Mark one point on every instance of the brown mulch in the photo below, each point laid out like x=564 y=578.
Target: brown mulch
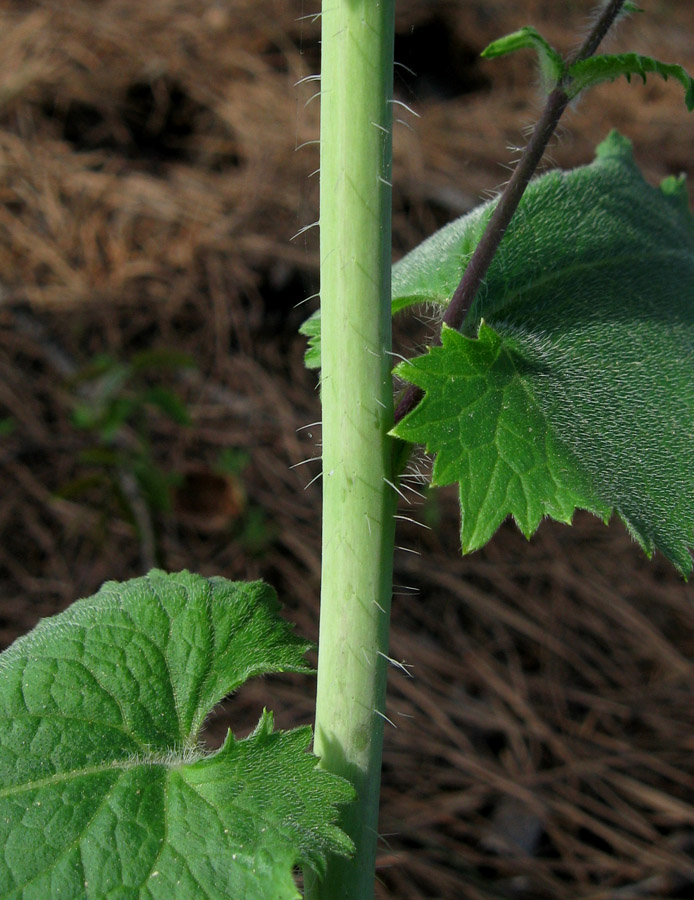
x=155 y=161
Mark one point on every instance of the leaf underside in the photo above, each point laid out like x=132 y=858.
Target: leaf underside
x=597 y=69
x=105 y=791
x=572 y=383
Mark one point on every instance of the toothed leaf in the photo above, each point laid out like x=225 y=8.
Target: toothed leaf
x=596 y=69
x=311 y=329
x=104 y=790
x=481 y=418
x=551 y=64
x=577 y=389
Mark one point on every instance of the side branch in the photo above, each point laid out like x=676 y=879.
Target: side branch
x=485 y=251
x=594 y=38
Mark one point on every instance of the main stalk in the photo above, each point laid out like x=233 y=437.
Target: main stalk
x=356 y=394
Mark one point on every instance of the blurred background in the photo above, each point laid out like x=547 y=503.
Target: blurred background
x=155 y=162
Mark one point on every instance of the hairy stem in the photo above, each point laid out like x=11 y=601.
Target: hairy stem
x=485 y=251
x=356 y=395
x=597 y=33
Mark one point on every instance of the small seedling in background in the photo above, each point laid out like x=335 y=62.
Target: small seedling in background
x=117 y=403
x=110 y=394
x=7 y=426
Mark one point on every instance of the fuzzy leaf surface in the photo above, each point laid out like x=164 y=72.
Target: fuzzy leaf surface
x=576 y=388
x=490 y=434
x=588 y=72
x=104 y=789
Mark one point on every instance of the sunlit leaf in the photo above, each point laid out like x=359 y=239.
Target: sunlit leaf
x=105 y=790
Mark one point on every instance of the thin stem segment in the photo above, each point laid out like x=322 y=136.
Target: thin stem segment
x=356 y=394
x=597 y=33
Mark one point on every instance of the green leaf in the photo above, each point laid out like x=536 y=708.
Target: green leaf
x=105 y=790
x=552 y=65
x=311 y=329
x=169 y=403
x=108 y=418
x=154 y=483
x=491 y=435
x=431 y=272
x=589 y=72
x=578 y=389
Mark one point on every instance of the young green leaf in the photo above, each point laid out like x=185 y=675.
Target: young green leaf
x=552 y=66
x=311 y=329
x=168 y=402
x=578 y=388
x=588 y=72
x=104 y=788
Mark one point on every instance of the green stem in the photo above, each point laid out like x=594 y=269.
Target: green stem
x=356 y=394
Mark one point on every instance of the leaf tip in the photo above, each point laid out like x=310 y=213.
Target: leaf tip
x=615 y=145
x=266 y=724
x=674 y=188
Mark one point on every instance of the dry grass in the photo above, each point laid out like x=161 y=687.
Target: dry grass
x=149 y=188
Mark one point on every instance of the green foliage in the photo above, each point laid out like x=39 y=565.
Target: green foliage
x=577 y=389
x=110 y=394
x=574 y=79
x=570 y=387
x=114 y=401
x=491 y=435
x=551 y=64
x=105 y=790
x=311 y=329
x=7 y=426
x=588 y=72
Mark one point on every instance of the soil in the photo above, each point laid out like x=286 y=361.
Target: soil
x=155 y=162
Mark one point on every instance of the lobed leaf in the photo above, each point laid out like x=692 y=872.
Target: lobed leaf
x=104 y=788
x=588 y=72
x=576 y=388
x=490 y=434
